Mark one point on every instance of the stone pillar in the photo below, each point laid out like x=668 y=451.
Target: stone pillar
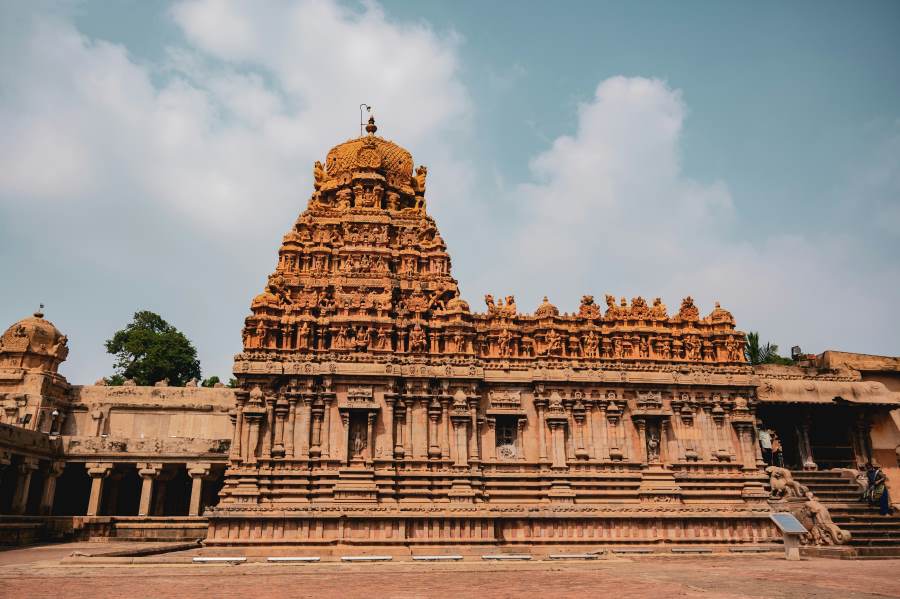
x=400 y=427
x=491 y=438
x=540 y=404
x=48 y=493
x=521 y=423
x=281 y=411
x=98 y=471
x=602 y=452
x=578 y=415
x=23 y=484
x=434 y=414
x=408 y=437
x=641 y=425
x=326 y=431
x=289 y=433
x=461 y=457
x=445 y=426
x=198 y=473
x=315 y=449
x=237 y=421
x=558 y=443
x=370 y=438
x=148 y=473
x=268 y=430
x=388 y=442
x=474 y=453
x=253 y=415
x=804 y=445
x=305 y=428
x=589 y=423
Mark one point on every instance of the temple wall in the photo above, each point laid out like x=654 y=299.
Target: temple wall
x=885 y=437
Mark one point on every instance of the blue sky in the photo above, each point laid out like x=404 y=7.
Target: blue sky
x=747 y=153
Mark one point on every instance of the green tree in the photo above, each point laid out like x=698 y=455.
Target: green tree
x=210 y=382
x=149 y=349
x=758 y=353
x=116 y=380
x=233 y=383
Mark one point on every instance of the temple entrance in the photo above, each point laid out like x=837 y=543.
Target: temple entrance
x=73 y=489
x=830 y=440
x=827 y=429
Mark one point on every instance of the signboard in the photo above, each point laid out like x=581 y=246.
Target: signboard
x=788 y=524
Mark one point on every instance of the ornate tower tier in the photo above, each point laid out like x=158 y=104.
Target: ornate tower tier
x=369 y=391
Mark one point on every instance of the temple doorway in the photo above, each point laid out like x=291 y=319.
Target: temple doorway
x=827 y=430
x=73 y=490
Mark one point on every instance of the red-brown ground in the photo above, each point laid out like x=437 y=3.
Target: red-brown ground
x=36 y=573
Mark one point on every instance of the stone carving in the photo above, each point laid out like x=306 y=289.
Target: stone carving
x=688 y=310
x=821 y=527
x=588 y=309
x=418 y=182
x=319 y=175
x=783 y=485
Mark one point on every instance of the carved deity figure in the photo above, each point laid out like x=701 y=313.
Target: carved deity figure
x=591 y=343
x=618 y=349
x=554 y=343
x=344 y=198
x=319 y=175
x=417 y=339
x=358 y=440
x=418 y=181
x=659 y=310
x=644 y=348
x=782 y=483
x=303 y=335
x=588 y=309
x=511 y=309
x=612 y=311
x=362 y=339
x=504 y=343
x=734 y=348
x=691 y=349
x=489 y=302
x=652 y=445
x=382 y=342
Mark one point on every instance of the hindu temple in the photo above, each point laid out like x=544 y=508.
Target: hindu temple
x=377 y=408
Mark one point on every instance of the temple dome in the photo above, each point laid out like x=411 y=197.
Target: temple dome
x=34 y=335
x=370 y=152
x=546 y=309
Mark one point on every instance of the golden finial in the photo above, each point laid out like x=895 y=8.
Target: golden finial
x=371 y=120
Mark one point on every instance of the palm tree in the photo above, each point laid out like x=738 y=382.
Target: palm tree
x=761 y=354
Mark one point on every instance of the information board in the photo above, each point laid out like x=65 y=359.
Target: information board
x=787 y=523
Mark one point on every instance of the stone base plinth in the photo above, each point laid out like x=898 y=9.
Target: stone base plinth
x=523 y=524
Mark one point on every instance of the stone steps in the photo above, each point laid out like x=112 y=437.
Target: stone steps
x=872 y=535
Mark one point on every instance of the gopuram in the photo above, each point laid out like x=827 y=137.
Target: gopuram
x=376 y=407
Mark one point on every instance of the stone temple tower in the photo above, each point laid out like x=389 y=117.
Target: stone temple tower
x=374 y=406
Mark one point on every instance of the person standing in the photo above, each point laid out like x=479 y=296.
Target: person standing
x=765 y=443
x=777 y=451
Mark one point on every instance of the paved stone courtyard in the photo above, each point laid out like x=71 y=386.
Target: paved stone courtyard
x=36 y=572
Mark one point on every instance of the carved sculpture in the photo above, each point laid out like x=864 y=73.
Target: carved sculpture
x=823 y=530
x=783 y=485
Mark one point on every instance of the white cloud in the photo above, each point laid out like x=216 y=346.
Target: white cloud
x=610 y=210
